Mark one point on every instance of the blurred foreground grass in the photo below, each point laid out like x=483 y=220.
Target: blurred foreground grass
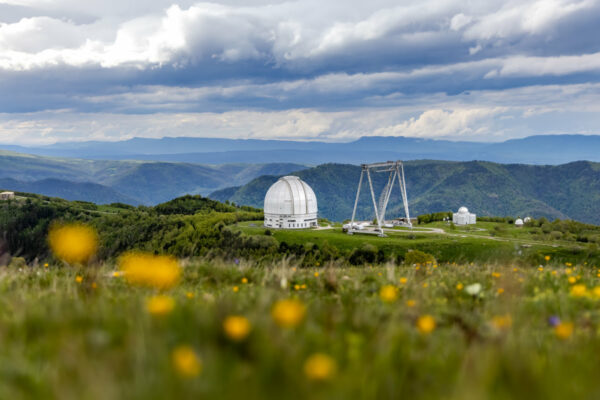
x=430 y=331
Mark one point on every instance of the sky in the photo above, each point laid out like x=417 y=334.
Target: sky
x=73 y=70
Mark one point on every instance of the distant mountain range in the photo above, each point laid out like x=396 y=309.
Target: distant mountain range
x=563 y=191
x=544 y=149
x=132 y=182
x=84 y=191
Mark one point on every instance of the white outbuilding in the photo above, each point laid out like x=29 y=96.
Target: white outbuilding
x=290 y=204
x=463 y=217
x=519 y=223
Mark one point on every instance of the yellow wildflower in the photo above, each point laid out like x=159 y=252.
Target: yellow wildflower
x=186 y=362
x=563 y=330
x=425 y=284
x=568 y=271
x=572 y=279
x=244 y=280
x=160 y=305
x=145 y=269
x=288 y=313
x=388 y=293
x=190 y=295
x=236 y=289
x=236 y=327
x=403 y=280
x=596 y=292
x=46 y=265
x=73 y=243
x=540 y=268
x=459 y=286
x=116 y=274
x=502 y=322
x=79 y=279
x=411 y=303
x=425 y=324
x=496 y=274
x=547 y=258
x=303 y=286
x=500 y=291
x=296 y=287
x=316 y=274
x=568 y=264
x=554 y=273
x=320 y=367
x=578 y=290
x=94 y=285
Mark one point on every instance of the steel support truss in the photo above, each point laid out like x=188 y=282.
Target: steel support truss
x=396 y=172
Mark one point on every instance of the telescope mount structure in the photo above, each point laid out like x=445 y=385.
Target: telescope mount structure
x=395 y=169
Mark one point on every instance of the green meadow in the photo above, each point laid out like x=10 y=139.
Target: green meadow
x=500 y=332
x=212 y=305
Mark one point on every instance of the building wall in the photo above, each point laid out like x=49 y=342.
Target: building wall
x=298 y=221
x=464 y=219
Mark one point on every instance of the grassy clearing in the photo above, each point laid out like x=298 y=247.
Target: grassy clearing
x=95 y=339
x=460 y=245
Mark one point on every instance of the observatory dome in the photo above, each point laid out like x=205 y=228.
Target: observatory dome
x=519 y=222
x=463 y=217
x=290 y=204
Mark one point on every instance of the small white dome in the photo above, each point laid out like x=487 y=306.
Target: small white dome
x=463 y=210
x=290 y=195
x=527 y=219
x=519 y=222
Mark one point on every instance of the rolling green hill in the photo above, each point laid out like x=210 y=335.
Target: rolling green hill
x=138 y=182
x=83 y=191
x=563 y=191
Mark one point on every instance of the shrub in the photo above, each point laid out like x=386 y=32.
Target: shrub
x=418 y=257
x=366 y=254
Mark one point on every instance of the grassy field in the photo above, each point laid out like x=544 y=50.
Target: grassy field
x=479 y=243
x=423 y=331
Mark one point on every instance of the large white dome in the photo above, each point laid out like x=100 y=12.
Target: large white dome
x=290 y=195
x=290 y=203
x=463 y=210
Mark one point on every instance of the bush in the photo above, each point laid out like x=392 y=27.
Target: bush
x=365 y=255
x=418 y=257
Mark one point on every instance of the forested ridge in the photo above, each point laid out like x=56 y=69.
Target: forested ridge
x=568 y=191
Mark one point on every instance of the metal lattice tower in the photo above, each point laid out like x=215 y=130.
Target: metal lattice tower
x=396 y=171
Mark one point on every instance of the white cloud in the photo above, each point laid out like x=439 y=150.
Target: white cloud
x=484 y=115
x=152 y=33
x=523 y=17
x=443 y=123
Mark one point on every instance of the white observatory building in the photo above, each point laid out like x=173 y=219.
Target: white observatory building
x=290 y=204
x=463 y=217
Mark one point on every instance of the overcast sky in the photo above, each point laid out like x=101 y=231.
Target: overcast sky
x=327 y=70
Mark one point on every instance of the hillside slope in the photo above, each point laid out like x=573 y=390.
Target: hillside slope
x=84 y=191
x=141 y=182
x=564 y=191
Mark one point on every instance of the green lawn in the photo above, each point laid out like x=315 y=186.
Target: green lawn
x=457 y=246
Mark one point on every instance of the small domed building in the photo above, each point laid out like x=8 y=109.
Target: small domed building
x=519 y=223
x=290 y=204
x=463 y=217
